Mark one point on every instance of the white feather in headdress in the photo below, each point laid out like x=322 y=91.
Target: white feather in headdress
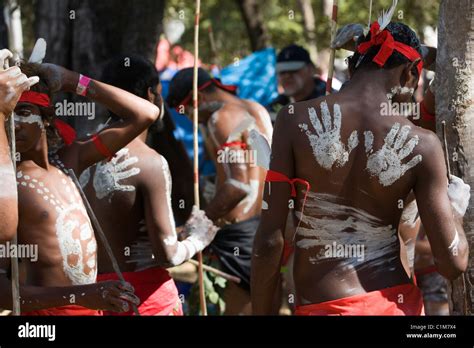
x=39 y=52
x=386 y=16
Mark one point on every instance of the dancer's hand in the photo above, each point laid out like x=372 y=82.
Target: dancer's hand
x=112 y=295
x=12 y=84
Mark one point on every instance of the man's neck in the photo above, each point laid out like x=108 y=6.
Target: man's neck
x=38 y=155
x=304 y=94
x=142 y=137
x=374 y=84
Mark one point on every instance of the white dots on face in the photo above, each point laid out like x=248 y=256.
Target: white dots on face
x=46 y=190
x=27 y=177
x=31 y=185
x=23 y=183
x=34 y=180
x=45 y=198
x=19 y=175
x=40 y=191
x=40 y=184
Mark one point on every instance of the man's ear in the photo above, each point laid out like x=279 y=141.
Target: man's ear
x=150 y=95
x=410 y=74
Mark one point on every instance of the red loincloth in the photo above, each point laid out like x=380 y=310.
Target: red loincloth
x=154 y=287
x=71 y=310
x=403 y=299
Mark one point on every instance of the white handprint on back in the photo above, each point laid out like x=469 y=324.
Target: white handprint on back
x=326 y=143
x=108 y=175
x=386 y=163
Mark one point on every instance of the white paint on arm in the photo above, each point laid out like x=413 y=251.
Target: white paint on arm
x=7 y=181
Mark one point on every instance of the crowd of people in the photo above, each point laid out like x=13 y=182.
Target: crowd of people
x=322 y=205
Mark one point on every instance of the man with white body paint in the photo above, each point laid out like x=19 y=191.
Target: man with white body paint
x=131 y=196
x=239 y=184
x=12 y=84
x=51 y=213
x=359 y=165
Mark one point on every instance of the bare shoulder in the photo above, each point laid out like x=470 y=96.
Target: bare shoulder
x=429 y=145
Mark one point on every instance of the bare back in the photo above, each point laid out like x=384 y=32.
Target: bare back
x=360 y=166
x=223 y=126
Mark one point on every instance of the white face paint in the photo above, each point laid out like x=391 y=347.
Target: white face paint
x=386 y=163
x=73 y=228
x=7 y=181
x=31 y=119
x=331 y=222
x=326 y=142
x=108 y=175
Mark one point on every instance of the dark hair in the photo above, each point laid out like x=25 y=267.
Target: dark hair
x=132 y=73
x=401 y=33
x=47 y=113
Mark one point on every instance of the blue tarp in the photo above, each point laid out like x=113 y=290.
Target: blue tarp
x=255 y=77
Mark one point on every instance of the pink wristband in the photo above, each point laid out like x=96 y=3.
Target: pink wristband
x=82 y=85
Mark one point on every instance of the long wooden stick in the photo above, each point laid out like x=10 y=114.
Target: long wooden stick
x=216 y=271
x=202 y=295
x=332 y=57
x=16 y=310
x=16 y=47
x=100 y=232
x=446 y=152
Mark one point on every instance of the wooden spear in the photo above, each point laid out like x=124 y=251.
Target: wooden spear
x=16 y=47
x=202 y=295
x=100 y=232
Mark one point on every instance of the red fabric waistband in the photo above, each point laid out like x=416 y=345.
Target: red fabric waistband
x=150 y=275
x=403 y=299
x=71 y=310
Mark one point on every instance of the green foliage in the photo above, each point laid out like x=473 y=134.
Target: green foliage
x=214 y=288
x=283 y=21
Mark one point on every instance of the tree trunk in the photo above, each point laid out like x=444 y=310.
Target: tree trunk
x=326 y=7
x=454 y=104
x=83 y=34
x=309 y=25
x=254 y=22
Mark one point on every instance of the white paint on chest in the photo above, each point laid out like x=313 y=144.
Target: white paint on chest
x=386 y=163
x=326 y=141
x=108 y=175
x=73 y=229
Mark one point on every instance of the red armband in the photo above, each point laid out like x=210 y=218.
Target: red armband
x=273 y=176
x=100 y=146
x=240 y=144
x=425 y=115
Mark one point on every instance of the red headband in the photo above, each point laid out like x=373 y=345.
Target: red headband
x=228 y=88
x=388 y=44
x=67 y=133
x=39 y=99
